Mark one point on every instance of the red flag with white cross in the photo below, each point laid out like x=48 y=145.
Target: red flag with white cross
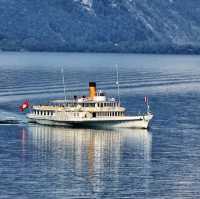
x=24 y=106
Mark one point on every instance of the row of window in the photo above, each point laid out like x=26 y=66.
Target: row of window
x=44 y=113
x=102 y=104
x=109 y=114
x=99 y=104
x=76 y=114
x=108 y=104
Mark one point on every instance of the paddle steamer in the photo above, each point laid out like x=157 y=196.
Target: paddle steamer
x=94 y=110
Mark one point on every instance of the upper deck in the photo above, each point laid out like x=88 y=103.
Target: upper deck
x=95 y=102
x=60 y=105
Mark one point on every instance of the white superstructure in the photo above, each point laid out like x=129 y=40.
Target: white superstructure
x=96 y=110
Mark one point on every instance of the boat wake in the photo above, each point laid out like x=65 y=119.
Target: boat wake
x=9 y=118
x=9 y=121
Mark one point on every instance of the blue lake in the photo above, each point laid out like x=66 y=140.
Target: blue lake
x=50 y=162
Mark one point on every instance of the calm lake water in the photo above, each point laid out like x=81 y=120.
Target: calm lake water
x=50 y=162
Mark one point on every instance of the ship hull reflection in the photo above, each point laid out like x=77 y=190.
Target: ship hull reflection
x=93 y=154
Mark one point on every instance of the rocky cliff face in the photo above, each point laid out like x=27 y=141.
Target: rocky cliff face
x=158 y=26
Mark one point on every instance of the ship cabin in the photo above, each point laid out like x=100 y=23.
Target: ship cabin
x=96 y=105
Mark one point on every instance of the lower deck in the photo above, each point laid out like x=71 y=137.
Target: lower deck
x=119 y=122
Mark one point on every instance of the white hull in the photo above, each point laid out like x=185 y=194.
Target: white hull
x=140 y=122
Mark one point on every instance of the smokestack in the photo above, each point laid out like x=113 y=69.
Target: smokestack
x=92 y=90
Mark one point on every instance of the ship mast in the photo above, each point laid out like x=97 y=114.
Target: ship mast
x=63 y=81
x=117 y=83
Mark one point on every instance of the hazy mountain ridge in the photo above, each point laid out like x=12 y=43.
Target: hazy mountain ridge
x=158 y=26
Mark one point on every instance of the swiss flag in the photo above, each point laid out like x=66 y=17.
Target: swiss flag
x=24 y=106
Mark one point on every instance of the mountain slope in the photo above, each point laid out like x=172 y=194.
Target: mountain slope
x=159 y=26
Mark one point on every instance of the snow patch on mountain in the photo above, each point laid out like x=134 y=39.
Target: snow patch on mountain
x=86 y=3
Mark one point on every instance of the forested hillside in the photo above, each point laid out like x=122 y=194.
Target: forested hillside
x=143 y=26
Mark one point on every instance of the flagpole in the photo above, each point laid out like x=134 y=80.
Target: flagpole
x=63 y=81
x=147 y=103
x=118 y=88
x=146 y=100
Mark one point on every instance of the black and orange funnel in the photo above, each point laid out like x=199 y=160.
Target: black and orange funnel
x=92 y=90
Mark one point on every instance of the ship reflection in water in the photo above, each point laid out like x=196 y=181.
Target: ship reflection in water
x=94 y=161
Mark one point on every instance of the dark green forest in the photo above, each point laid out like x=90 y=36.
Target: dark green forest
x=139 y=26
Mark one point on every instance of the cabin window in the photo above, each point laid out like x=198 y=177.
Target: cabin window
x=94 y=115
